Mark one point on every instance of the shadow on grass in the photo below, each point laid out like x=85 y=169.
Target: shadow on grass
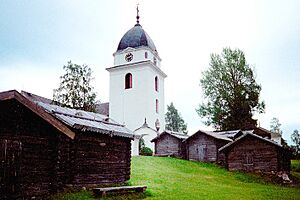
x=127 y=196
x=72 y=194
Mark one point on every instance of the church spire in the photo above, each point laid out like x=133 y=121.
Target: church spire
x=137 y=14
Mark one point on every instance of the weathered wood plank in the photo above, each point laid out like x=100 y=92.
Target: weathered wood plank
x=252 y=154
x=50 y=160
x=102 y=192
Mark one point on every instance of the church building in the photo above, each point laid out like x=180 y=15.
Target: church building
x=136 y=88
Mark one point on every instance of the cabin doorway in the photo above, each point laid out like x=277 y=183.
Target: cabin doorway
x=10 y=153
x=202 y=151
x=248 y=162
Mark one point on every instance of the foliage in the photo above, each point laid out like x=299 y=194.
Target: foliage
x=75 y=89
x=141 y=144
x=295 y=166
x=296 y=140
x=231 y=92
x=174 y=121
x=146 y=151
x=275 y=126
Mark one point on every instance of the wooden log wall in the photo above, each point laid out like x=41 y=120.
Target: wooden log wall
x=221 y=155
x=42 y=160
x=101 y=159
x=64 y=161
x=168 y=145
x=254 y=155
x=284 y=159
x=202 y=148
x=35 y=153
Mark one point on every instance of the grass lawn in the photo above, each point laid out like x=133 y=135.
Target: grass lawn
x=170 y=178
x=295 y=168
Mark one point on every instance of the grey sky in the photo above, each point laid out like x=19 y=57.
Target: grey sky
x=38 y=37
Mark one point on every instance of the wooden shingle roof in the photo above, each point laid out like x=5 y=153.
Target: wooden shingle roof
x=177 y=135
x=67 y=119
x=211 y=134
x=13 y=94
x=87 y=121
x=247 y=134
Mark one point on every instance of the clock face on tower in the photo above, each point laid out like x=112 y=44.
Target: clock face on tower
x=128 y=57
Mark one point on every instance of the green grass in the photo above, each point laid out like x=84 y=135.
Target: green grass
x=295 y=165
x=170 y=178
x=295 y=168
x=80 y=195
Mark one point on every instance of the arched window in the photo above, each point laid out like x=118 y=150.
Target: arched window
x=128 y=81
x=146 y=54
x=156 y=83
x=156 y=105
x=154 y=60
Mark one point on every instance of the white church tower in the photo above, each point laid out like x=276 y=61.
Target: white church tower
x=137 y=85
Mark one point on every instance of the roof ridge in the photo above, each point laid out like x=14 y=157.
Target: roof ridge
x=86 y=118
x=251 y=134
x=82 y=117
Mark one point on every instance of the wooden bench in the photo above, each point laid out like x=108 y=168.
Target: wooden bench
x=101 y=192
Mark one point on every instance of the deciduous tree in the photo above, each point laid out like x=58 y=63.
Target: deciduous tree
x=275 y=126
x=230 y=91
x=75 y=89
x=296 y=140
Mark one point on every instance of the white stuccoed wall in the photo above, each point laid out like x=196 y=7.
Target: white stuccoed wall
x=138 y=55
x=147 y=134
x=131 y=106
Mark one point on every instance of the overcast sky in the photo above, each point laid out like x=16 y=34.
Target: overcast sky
x=38 y=37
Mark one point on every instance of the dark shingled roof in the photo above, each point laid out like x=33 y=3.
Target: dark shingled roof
x=178 y=135
x=210 y=133
x=31 y=105
x=34 y=97
x=136 y=37
x=79 y=119
x=87 y=121
x=232 y=134
x=248 y=134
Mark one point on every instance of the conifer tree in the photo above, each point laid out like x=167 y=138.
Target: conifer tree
x=174 y=121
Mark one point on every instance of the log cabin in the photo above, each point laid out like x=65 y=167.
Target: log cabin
x=45 y=147
x=169 y=143
x=203 y=146
x=253 y=153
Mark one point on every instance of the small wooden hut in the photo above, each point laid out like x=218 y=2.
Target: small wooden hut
x=253 y=153
x=169 y=143
x=45 y=147
x=203 y=146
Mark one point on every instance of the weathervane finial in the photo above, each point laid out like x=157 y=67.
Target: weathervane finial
x=137 y=14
